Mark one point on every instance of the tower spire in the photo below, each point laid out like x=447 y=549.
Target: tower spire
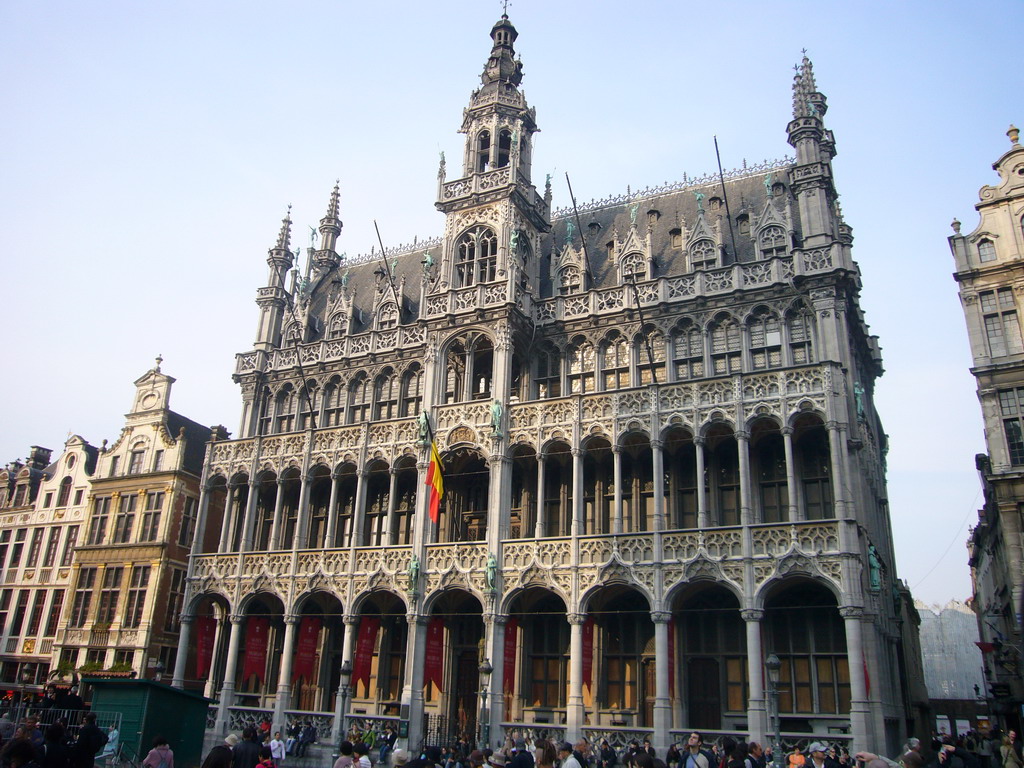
x=284 y=237
x=330 y=227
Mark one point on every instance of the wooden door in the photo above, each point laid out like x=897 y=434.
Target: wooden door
x=704 y=694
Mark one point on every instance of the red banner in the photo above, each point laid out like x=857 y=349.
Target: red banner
x=508 y=684
x=256 y=632
x=364 y=650
x=206 y=634
x=433 y=657
x=671 y=658
x=305 y=648
x=588 y=650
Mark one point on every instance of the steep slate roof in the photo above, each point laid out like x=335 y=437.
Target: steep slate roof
x=196 y=437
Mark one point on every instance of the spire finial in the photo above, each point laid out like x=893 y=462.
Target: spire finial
x=805 y=90
x=1013 y=134
x=285 y=235
x=159 y=359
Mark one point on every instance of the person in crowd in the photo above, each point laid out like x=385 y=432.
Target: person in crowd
x=818 y=758
x=277 y=749
x=246 y=752
x=6 y=727
x=387 y=743
x=497 y=760
x=113 y=743
x=738 y=756
x=757 y=756
x=345 y=759
x=361 y=754
x=266 y=759
x=160 y=756
x=796 y=758
x=220 y=756
x=20 y=754
x=522 y=758
x=55 y=748
x=90 y=742
x=567 y=758
x=476 y=759
x=606 y=757
x=695 y=755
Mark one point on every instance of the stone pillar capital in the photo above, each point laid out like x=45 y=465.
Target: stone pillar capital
x=661 y=617
x=787 y=430
x=351 y=619
x=416 y=619
x=497 y=619
x=657 y=444
x=236 y=618
x=576 y=619
x=742 y=435
x=187 y=618
x=752 y=614
x=699 y=440
x=291 y=619
x=851 y=611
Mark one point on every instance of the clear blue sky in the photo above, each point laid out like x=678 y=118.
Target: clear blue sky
x=150 y=150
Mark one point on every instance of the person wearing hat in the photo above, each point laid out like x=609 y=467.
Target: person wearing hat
x=818 y=757
x=565 y=755
x=220 y=755
x=498 y=760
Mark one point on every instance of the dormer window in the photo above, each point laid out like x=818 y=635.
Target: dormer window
x=633 y=268
x=743 y=224
x=986 y=250
x=676 y=236
x=504 y=147
x=483 y=151
x=703 y=254
x=476 y=257
x=570 y=280
x=715 y=203
x=772 y=242
x=336 y=326
x=387 y=317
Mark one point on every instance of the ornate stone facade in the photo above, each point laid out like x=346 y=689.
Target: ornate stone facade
x=660 y=454
x=990 y=275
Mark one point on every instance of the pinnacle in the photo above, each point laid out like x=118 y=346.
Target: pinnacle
x=333 y=205
x=285 y=235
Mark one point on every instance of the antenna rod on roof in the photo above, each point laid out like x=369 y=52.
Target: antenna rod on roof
x=725 y=196
x=583 y=238
x=387 y=270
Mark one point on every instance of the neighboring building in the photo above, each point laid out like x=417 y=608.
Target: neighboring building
x=127 y=580
x=41 y=518
x=953 y=664
x=661 y=463
x=990 y=274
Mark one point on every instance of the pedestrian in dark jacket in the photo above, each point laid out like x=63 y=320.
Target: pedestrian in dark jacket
x=90 y=741
x=55 y=750
x=246 y=752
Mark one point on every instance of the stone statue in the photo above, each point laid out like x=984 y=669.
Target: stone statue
x=424 y=427
x=344 y=279
x=496 y=411
x=874 y=569
x=414 y=574
x=513 y=241
x=700 y=200
x=768 y=180
x=632 y=213
x=858 y=397
x=547 y=179
x=492 y=572
x=570 y=228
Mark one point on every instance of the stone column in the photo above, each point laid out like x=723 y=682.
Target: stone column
x=574 y=712
x=541 y=522
x=796 y=512
x=250 y=513
x=284 y=676
x=181 y=659
x=209 y=690
x=302 y=522
x=577 y=491
x=359 y=508
x=858 y=689
x=338 y=729
x=702 y=501
x=412 y=693
x=204 y=512
x=662 y=699
x=757 y=714
x=227 y=690
x=743 y=449
x=275 y=530
x=617 y=474
x=658 y=462
x=838 y=500
x=392 y=536
x=332 y=514
x=231 y=517
x=494 y=629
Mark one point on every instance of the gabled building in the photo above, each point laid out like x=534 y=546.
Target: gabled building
x=127 y=579
x=654 y=419
x=990 y=277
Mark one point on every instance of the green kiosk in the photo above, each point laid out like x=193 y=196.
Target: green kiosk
x=150 y=709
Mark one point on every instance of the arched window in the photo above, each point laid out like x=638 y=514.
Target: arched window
x=387 y=316
x=504 y=147
x=570 y=280
x=986 y=250
x=703 y=255
x=814 y=469
x=476 y=257
x=580 y=377
x=294 y=335
x=412 y=391
x=265 y=405
x=385 y=405
x=337 y=326
x=769 y=464
x=359 y=395
x=309 y=399
x=65 y=492
x=284 y=410
x=483 y=368
x=743 y=224
x=676 y=237
x=798 y=323
x=725 y=347
x=334 y=403
x=765 y=340
x=632 y=266
x=771 y=241
x=615 y=362
x=688 y=351
x=455 y=373
x=650 y=356
x=483 y=151
x=549 y=372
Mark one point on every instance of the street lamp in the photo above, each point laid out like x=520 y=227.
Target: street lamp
x=346 y=691
x=485 y=718
x=773 y=666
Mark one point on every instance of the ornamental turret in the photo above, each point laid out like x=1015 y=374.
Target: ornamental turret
x=326 y=258
x=273 y=297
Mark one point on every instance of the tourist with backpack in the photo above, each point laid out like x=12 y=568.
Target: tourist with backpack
x=160 y=756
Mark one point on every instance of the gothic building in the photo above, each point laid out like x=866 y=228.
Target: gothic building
x=990 y=275
x=661 y=464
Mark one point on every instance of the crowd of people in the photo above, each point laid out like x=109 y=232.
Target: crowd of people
x=41 y=742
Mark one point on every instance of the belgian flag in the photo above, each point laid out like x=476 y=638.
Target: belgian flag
x=435 y=481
